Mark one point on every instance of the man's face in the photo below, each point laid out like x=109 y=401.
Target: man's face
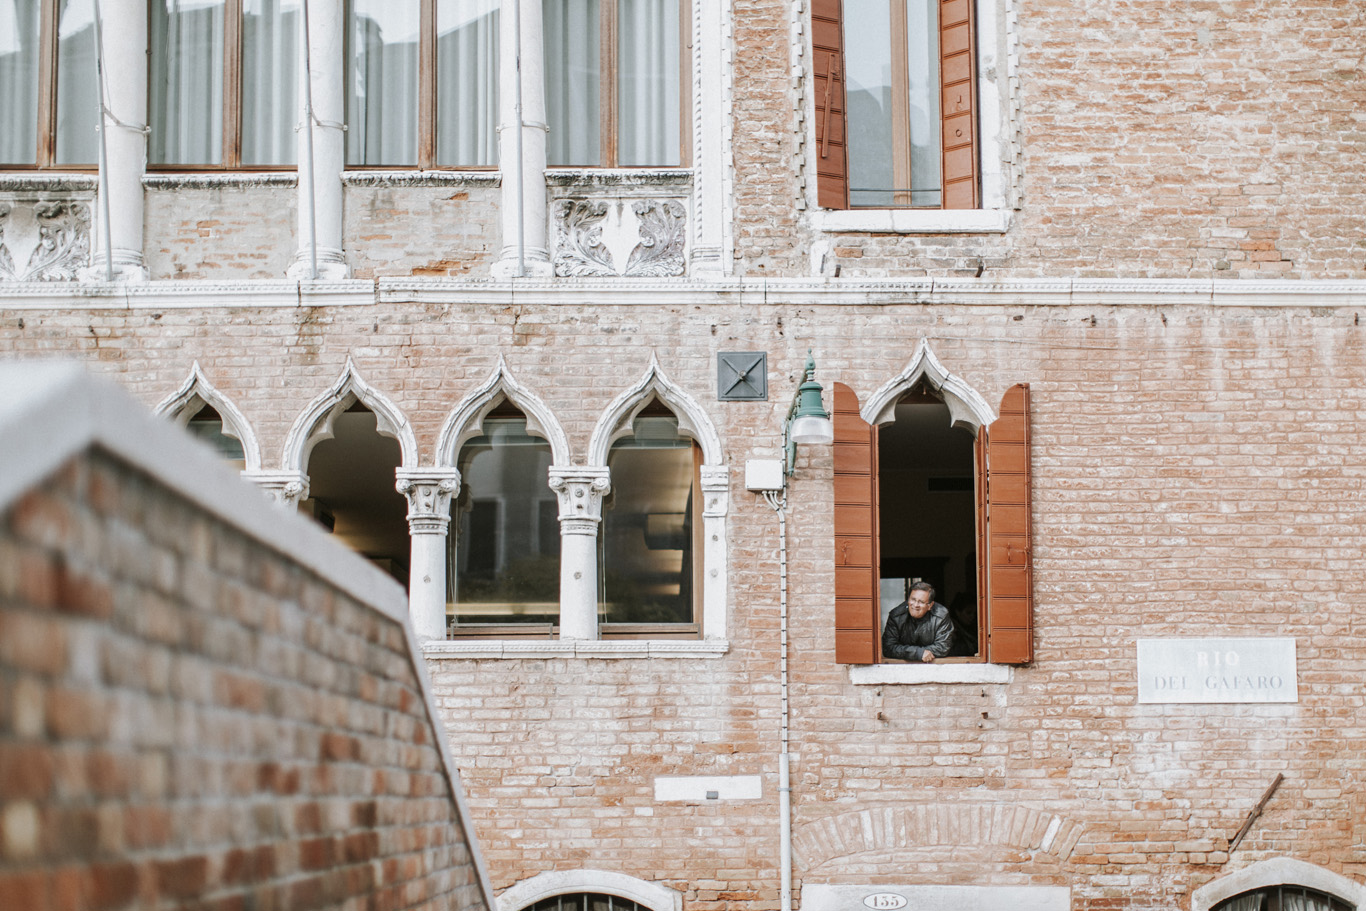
x=919 y=604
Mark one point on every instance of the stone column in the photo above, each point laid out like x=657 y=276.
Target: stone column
x=320 y=216
x=580 y=491
x=429 y=493
x=524 y=193
x=711 y=142
x=123 y=27
x=715 y=505
x=286 y=489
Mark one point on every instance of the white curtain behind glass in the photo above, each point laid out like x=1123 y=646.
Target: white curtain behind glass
x=78 y=99
x=572 y=82
x=270 y=60
x=185 y=87
x=467 y=82
x=648 y=83
x=381 y=82
x=922 y=43
x=19 y=29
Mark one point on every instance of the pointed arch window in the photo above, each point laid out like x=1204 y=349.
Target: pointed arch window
x=207 y=425
x=649 y=549
x=504 y=545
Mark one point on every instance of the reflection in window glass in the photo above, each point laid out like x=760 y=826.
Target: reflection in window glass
x=648 y=82
x=78 y=106
x=270 y=53
x=185 y=87
x=467 y=82
x=572 y=39
x=381 y=82
x=207 y=425
x=20 y=30
x=646 y=571
x=892 y=97
x=505 y=537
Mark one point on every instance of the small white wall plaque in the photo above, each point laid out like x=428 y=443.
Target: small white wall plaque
x=821 y=897
x=704 y=788
x=1217 y=670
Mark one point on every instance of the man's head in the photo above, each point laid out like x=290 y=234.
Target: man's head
x=919 y=599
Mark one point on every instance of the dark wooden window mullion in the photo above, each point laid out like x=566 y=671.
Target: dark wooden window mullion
x=232 y=83
x=426 y=87
x=607 y=87
x=47 y=85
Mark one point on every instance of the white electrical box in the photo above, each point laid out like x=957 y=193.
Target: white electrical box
x=763 y=474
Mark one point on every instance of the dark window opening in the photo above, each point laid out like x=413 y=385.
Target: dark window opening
x=207 y=425
x=585 y=901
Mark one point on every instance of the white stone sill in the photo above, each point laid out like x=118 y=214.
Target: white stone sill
x=576 y=648
x=913 y=674
x=912 y=221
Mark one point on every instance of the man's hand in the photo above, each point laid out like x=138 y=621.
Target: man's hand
x=927 y=656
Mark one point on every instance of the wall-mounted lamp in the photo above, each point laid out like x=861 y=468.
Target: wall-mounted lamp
x=807 y=420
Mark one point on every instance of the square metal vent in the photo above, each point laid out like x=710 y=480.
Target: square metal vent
x=742 y=376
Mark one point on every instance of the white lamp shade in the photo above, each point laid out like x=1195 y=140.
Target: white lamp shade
x=811 y=429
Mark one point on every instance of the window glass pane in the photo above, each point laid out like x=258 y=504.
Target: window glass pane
x=78 y=106
x=20 y=25
x=647 y=527
x=467 y=82
x=648 y=83
x=505 y=542
x=381 y=82
x=922 y=42
x=185 y=97
x=207 y=425
x=270 y=54
x=868 y=87
x=572 y=82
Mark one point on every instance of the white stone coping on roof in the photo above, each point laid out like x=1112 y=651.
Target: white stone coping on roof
x=51 y=411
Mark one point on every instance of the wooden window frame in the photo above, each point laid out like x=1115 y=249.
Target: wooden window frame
x=231 y=150
x=959 y=152
x=609 y=88
x=1004 y=552
x=45 y=152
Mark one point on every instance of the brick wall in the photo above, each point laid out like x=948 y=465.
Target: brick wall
x=191 y=719
x=224 y=233
x=446 y=229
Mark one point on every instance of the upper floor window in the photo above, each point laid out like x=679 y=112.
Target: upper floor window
x=923 y=497
x=1284 y=898
x=221 y=85
x=649 y=566
x=896 y=104
x=504 y=545
x=422 y=83
x=50 y=102
x=614 y=80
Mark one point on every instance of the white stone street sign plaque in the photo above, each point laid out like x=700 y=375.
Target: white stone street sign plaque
x=1217 y=670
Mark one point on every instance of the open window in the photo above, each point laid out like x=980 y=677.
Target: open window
x=649 y=552
x=895 y=84
x=922 y=495
x=504 y=544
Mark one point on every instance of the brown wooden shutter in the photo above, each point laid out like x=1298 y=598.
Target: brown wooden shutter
x=1010 y=566
x=958 y=80
x=857 y=613
x=827 y=70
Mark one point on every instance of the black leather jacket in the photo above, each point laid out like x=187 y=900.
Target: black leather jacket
x=909 y=639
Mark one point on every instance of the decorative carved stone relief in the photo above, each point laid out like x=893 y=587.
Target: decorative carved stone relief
x=580 y=491
x=621 y=236
x=43 y=240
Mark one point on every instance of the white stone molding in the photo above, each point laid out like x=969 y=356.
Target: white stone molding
x=605 y=649
x=196 y=392
x=967 y=408
x=286 y=489
x=124 y=33
x=465 y=422
x=936 y=673
x=546 y=885
x=1277 y=871
x=315 y=423
x=711 y=148
x=320 y=224
x=429 y=492
x=619 y=418
x=715 y=553
x=580 y=491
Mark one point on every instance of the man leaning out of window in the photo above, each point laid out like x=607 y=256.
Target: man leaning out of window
x=919 y=628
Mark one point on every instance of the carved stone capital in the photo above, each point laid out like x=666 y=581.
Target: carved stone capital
x=286 y=489
x=715 y=490
x=429 y=493
x=620 y=236
x=580 y=491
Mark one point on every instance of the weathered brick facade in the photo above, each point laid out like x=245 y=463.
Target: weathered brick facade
x=1174 y=261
